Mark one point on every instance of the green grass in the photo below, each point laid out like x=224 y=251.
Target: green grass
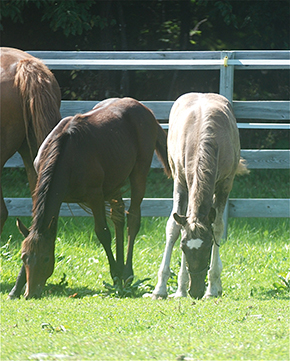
x=79 y=319
x=138 y=329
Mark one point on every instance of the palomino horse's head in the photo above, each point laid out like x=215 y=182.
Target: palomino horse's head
x=196 y=243
x=38 y=258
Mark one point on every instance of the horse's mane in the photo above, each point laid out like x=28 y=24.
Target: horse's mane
x=47 y=163
x=40 y=96
x=206 y=156
x=204 y=169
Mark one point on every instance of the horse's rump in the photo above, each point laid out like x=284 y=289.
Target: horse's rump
x=30 y=100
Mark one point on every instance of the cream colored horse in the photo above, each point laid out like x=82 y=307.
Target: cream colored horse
x=204 y=156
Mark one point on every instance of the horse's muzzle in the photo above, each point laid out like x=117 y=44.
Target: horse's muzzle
x=197 y=284
x=33 y=293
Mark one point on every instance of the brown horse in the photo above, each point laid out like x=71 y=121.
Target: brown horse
x=86 y=159
x=204 y=156
x=29 y=109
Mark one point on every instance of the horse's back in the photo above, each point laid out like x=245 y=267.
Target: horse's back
x=198 y=120
x=127 y=109
x=106 y=143
x=127 y=121
x=196 y=110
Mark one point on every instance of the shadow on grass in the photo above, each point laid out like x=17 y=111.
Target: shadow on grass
x=135 y=290
x=55 y=290
x=119 y=289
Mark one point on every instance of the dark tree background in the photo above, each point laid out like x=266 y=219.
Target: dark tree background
x=145 y=24
x=155 y=25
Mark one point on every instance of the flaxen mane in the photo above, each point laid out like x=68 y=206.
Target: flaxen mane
x=205 y=170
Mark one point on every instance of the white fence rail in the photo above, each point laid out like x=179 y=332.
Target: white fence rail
x=227 y=62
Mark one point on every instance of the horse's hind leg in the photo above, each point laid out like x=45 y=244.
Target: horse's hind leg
x=97 y=206
x=3 y=212
x=118 y=218
x=24 y=151
x=138 y=185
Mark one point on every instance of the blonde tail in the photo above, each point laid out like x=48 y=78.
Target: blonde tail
x=242 y=167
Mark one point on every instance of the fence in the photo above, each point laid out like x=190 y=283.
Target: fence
x=227 y=62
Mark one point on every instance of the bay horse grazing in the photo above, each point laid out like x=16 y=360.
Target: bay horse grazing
x=204 y=156
x=29 y=109
x=86 y=159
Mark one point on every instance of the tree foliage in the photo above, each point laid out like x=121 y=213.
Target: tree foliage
x=151 y=24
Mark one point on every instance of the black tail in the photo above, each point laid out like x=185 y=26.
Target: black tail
x=161 y=150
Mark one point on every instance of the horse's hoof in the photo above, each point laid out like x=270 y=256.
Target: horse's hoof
x=178 y=295
x=211 y=295
x=208 y=296
x=12 y=297
x=128 y=281
x=157 y=296
x=128 y=275
x=154 y=296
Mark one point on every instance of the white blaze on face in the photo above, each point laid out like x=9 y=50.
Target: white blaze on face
x=194 y=243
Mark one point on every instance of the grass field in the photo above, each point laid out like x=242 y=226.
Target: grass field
x=79 y=318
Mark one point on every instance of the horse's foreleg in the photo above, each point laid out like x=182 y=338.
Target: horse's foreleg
x=183 y=279
x=20 y=282
x=214 y=287
x=172 y=233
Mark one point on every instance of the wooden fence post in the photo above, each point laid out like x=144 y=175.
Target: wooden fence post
x=227 y=75
x=227 y=90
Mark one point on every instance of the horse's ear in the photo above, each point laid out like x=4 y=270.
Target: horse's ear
x=212 y=215
x=22 y=229
x=182 y=220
